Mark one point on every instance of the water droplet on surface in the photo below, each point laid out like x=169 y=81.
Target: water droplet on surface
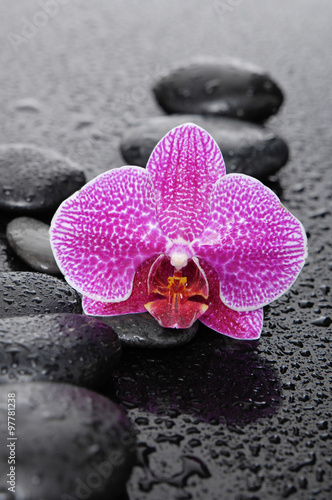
x=322 y=425
x=211 y=86
x=324 y=321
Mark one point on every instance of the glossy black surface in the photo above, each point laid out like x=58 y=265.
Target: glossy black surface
x=89 y=73
x=23 y=293
x=69 y=348
x=34 y=180
x=29 y=239
x=222 y=87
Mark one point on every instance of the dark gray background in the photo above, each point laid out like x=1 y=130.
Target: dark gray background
x=85 y=76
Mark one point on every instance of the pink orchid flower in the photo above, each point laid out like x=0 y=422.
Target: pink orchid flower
x=180 y=239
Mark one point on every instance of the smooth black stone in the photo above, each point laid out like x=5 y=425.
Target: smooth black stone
x=35 y=180
x=8 y=259
x=29 y=239
x=247 y=148
x=229 y=88
x=24 y=293
x=57 y=347
x=71 y=443
x=142 y=330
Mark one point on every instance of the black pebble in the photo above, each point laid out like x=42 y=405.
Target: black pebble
x=142 y=330
x=29 y=239
x=57 y=347
x=34 y=180
x=23 y=293
x=71 y=443
x=229 y=88
x=247 y=148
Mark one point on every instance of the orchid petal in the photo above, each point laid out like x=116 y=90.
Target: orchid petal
x=238 y=325
x=256 y=246
x=102 y=233
x=184 y=166
x=134 y=304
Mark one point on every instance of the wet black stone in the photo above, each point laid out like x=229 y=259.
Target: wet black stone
x=8 y=259
x=29 y=238
x=142 y=330
x=247 y=148
x=34 y=180
x=57 y=347
x=229 y=88
x=71 y=443
x=24 y=293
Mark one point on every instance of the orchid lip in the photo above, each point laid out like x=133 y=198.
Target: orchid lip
x=174 y=290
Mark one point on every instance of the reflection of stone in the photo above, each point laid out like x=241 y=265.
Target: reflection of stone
x=212 y=379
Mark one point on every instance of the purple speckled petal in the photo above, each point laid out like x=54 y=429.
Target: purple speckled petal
x=134 y=304
x=184 y=166
x=256 y=246
x=102 y=233
x=238 y=325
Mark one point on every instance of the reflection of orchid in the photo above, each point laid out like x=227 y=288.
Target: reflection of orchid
x=180 y=239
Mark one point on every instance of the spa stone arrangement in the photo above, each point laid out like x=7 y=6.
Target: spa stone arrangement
x=120 y=407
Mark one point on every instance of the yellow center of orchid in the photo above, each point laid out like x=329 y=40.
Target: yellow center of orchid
x=177 y=287
x=177 y=309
